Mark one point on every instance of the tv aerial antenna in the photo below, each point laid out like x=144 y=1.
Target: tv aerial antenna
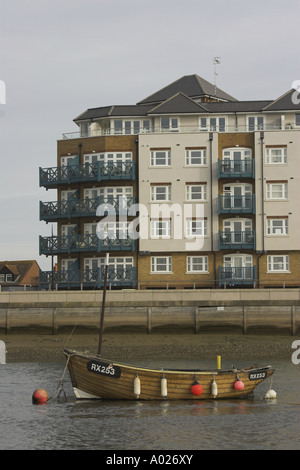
x=217 y=61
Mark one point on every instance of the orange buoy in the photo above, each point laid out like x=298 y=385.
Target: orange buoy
x=39 y=396
x=239 y=385
x=196 y=389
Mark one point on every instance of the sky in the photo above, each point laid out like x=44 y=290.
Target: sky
x=61 y=57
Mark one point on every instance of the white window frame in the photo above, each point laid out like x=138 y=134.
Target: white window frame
x=160 y=262
x=297 y=119
x=194 y=262
x=195 y=157
x=107 y=191
x=278 y=227
x=207 y=124
x=275 y=261
x=160 y=229
x=160 y=158
x=115 y=262
x=196 y=228
x=160 y=192
x=273 y=153
x=108 y=157
x=171 y=124
x=282 y=188
x=191 y=190
x=256 y=126
x=115 y=230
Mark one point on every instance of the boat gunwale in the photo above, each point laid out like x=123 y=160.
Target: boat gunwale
x=170 y=371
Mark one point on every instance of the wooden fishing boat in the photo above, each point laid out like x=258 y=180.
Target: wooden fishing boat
x=95 y=377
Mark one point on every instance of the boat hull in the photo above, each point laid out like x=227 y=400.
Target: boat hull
x=97 y=378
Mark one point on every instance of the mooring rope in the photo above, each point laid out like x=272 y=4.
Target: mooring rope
x=61 y=383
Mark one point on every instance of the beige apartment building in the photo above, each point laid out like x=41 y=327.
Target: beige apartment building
x=188 y=188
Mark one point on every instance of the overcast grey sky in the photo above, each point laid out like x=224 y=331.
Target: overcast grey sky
x=60 y=57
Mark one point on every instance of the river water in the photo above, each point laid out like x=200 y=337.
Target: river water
x=66 y=424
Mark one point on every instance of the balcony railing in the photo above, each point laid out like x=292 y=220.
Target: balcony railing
x=237 y=276
x=236 y=168
x=89 y=172
x=237 y=240
x=89 y=278
x=84 y=207
x=83 y=243
x=180 y=129
x=228 y=204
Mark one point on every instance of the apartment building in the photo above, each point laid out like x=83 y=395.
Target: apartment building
x=188 y=188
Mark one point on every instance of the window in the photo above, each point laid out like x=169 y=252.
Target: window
x=277 y=190
x=197 y=264
x=196 y=228
x=213 y=124
x=115 y=263
x=160 y=193
x=160 y=228
x=276 y=155
x=196 y=192
x=277 y=226
x=169 y=124
x=161 y=264
x=195 y=157
x=160 y=158
x=278 y=263
x=118 y=126
x=109 y=192
x=127 y=127
x=297 y=119
x=108 y=157
x=255 y=123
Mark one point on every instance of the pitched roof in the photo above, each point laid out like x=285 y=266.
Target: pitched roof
x=289 y=101
x=192 y=86
x=178 y=104
x=27 y=271
x=236 y=107
x=116 y=111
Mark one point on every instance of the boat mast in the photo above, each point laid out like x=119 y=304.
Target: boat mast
x=103 y=306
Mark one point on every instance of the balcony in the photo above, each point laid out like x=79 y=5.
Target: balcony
x=237 y=240
x=89 y=172
x=51 y=211
x=228 y=204
x=88 y=279
x=181 y=129
x=237 y=276
x=236 y=168
x=83 y=243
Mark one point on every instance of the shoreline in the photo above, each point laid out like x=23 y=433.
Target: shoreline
x=130 y=346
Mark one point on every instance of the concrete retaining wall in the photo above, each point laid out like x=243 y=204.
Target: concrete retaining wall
x=245 y=311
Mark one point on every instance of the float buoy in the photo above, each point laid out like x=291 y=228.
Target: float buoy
x=163 y=387
x=39 y=396
x=271 y=394
x=137 y=387
x=214 y=388
x=239 y=385
x=196 y=389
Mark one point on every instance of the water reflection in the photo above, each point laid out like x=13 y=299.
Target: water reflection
x=252 y=423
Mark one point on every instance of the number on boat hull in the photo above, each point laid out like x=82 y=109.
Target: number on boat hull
x=104 y=368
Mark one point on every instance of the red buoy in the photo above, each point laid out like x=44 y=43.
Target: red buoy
x=39 y=396
x=196 y=389
x=239 y=385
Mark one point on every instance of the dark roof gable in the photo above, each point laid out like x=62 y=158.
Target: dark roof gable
x=289 y=101
x=192 y=86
